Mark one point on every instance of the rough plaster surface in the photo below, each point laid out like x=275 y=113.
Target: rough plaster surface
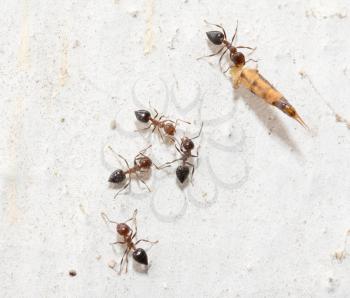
x=268 y=213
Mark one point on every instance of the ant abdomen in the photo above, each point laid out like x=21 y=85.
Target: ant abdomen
x=216 y=37
x=140 y=256
x=182 y=173
x=143 y=115
x=117 y=176
x=123 y=229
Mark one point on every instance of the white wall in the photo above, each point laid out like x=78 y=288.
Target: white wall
x=270 y=202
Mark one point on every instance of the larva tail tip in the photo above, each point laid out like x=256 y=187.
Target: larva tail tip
x=301 y=121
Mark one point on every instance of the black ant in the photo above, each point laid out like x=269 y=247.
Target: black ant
x=168 y=126
x=128 y=236
x=220 y=38
x=142 y=164
x=186 y=147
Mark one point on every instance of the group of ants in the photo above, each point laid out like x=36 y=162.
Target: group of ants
x=143 y=163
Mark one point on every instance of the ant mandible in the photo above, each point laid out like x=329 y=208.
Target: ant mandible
x=128 y=236
x=168 y=126
x=185 y=150
x=142 y=164
x=220 y=38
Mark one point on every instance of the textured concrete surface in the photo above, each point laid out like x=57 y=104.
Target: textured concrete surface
x=268 y=213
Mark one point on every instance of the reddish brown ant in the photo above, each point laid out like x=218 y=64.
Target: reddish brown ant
x=186 y=147
x=220 y=38
x=128 y=236
x=168 y=126
x=142 y=164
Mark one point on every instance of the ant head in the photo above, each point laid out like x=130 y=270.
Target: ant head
x=123 y=229
x=182 y=173
x=169 y=128
x=187 y=143
x=117 y=176
x=143 y=115
x=145 y=162
x=238 y=58
x=140 y=256
x=216 y=37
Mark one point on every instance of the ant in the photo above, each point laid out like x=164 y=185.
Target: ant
x=128 y=236
x=220 y=38
x=142 y=164
x=186 y=147
x=168 y=126
x=251 y=78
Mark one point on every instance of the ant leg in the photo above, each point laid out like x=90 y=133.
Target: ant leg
x=179 y=120
x=176 y=141
x=127 y=262
x=200 y=131
x=170 y=162
x=167 y=120
x=227 y=69
x=139 y=178
x=122 y=189
x=191 y=165
x=161 y=167
x=207 y=56
x=160 y=133
x=222 y=56
x=156 y=115
x=149 y=126
x=178 y=150
x=149 y=103
x=154 y=129
x=244 y=47
x=223 y=30
x=196 y=153
x=146 y=185
x=116 y=154
x=118 y=242
x=144 y=150
x=122 y=260
x=234 y=35
x=144 y=240
x=256 y=61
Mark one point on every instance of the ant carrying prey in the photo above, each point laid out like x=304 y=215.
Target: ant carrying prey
x=142 y=164
x=168 y=126
x=128 y=235
x=186 y=147
x=251 y=78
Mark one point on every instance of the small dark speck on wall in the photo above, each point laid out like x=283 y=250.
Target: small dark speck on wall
x=72 y=273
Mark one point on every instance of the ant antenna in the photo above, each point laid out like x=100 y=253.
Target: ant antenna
x=200 y=131
x=106 y=218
